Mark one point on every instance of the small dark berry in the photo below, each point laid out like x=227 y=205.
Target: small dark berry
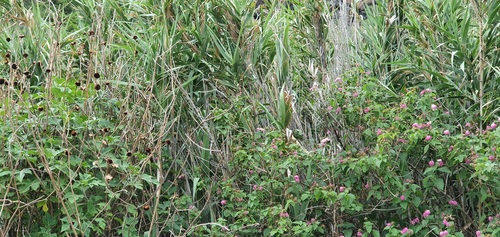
x=2 y=81
x=25 y=55
x=167 y=142
x=40 y=108
x=135 y=37
x=77 y=108
x=78 y=83
x=129 y=154
x=14 y=66
x=7 y=55
x=148 y=151
x=73 y=133
x=8 y=39
x=91 y=33
x=109 y=161
x=97 y=87
x=48 y=70
x=26 y=73
x=97 y=75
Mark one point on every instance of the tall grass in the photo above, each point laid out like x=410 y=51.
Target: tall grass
x=449 y=46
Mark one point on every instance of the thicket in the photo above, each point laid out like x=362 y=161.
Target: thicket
x=195 y=118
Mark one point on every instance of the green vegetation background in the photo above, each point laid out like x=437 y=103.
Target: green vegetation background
x=217 y=118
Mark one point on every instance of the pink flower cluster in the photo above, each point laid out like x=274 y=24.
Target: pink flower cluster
x=415 y=221
x=492 y=126
x=296 y=178
x=260 y=188
x=324 y=141
x=422 y=126
x=446 y=223
x=440 y=162
x=450 y=149
x=284 y=214
x=453 y=202
x=310 y=221
x=426 y=213
x=443 y=233
x=423 y=92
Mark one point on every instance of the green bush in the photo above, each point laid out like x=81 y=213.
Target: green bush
x=415 y=158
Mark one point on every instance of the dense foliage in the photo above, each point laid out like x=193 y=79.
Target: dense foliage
x=220 y=118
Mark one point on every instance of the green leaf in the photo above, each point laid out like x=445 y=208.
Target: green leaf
x=368 y=226
x=195 y=186
x=24 y=188
x=347 y=232
x=416 y=201
x=439 y=183
x=35 y=185
x=148 y=178
x=284 y=108
x=22 y=173
x=445 y=170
